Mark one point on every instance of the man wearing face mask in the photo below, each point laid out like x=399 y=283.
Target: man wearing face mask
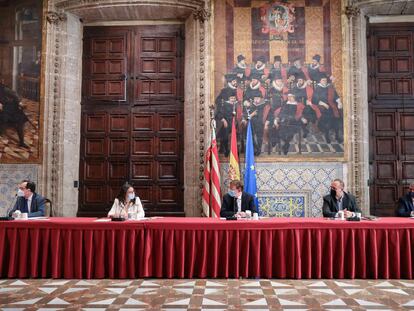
x=236 y=201
x=339 y=200
x=28 y=201
x=406 y=203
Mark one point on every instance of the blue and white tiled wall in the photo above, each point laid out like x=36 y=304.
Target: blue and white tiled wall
x=10 y=176
x=292 y=189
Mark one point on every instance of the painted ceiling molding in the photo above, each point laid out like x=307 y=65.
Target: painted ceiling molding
x=386 y=7
x=93 y=10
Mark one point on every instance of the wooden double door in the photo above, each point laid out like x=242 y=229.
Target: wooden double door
x=132 y=118
x=391 y=109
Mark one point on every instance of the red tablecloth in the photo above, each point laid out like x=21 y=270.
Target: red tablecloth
x=201 y=247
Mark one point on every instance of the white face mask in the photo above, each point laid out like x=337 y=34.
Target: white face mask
x=131 y=196
x=20 y=193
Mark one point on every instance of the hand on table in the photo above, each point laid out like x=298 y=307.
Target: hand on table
x=240 y=215
x=348 y=214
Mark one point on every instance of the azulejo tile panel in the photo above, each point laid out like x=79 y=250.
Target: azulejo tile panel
x=284 y=204
x=10 y=176
x=292 y=189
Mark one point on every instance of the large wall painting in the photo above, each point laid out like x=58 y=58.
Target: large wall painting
x=20 y=76
x=279 y=64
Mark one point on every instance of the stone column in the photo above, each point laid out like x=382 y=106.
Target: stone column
x=62 y=111
x=196 y=112
x=358 y=164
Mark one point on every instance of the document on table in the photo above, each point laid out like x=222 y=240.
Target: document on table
x=38 y=218
x=138 y=219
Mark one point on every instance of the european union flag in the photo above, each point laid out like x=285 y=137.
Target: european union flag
x=250 y=169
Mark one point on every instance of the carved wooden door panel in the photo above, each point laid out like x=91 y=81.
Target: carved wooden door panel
x=132 y=118
x=156 y=160
x=391 y=107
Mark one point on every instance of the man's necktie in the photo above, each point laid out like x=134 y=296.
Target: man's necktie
x=24 y=207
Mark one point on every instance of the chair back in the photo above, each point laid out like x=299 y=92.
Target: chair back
x=49 y=208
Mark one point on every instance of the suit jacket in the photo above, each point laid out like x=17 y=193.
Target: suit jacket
x=405 y=206
x=37 y=207
x=229 y=205
x=330 y=205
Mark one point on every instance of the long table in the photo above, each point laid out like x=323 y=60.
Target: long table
x=207 y=248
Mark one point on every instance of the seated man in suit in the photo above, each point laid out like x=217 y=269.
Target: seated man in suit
x=339 y=200
x=236 y=201
x=406 y=203
x=28 y=201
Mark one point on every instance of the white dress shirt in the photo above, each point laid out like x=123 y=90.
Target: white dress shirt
x=29 y=203
x=120 y=210
x=239 y=203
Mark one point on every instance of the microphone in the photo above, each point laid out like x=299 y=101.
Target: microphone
x=11 y=205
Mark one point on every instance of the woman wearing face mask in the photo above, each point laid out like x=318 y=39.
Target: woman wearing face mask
x=126 y=202
x=406 y=203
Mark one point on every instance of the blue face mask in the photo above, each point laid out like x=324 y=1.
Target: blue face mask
x=232 y=193
x=131 y=196
x=20 y=193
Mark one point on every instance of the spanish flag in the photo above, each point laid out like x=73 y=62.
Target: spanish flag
x=234 y=170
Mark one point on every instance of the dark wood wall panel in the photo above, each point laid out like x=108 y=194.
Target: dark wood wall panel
x=132 y=107
x=391 y=108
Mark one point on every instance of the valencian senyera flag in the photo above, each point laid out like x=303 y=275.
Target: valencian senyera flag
x=211 y=186
x=250 y=169
x=234 y=170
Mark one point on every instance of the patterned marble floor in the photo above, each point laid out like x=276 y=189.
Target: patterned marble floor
x=231 y=294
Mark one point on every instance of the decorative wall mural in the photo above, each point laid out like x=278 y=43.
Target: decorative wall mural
x=277 y=18
x=20 y=67
x=282 y=68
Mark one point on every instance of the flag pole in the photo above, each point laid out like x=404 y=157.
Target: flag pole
x=212 y=121
x=250 y=182
x=206 y=191
x=234 y=165
x=215 y=198
x=212 y=134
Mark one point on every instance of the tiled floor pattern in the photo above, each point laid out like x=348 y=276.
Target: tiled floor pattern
x=203 y=294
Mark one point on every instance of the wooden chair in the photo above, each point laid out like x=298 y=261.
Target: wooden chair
x=49 y=208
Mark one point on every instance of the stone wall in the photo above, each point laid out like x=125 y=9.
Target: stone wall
x=63 y=85
x=62 y=115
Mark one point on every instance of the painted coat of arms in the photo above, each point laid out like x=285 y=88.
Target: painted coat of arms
x=277 y=18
